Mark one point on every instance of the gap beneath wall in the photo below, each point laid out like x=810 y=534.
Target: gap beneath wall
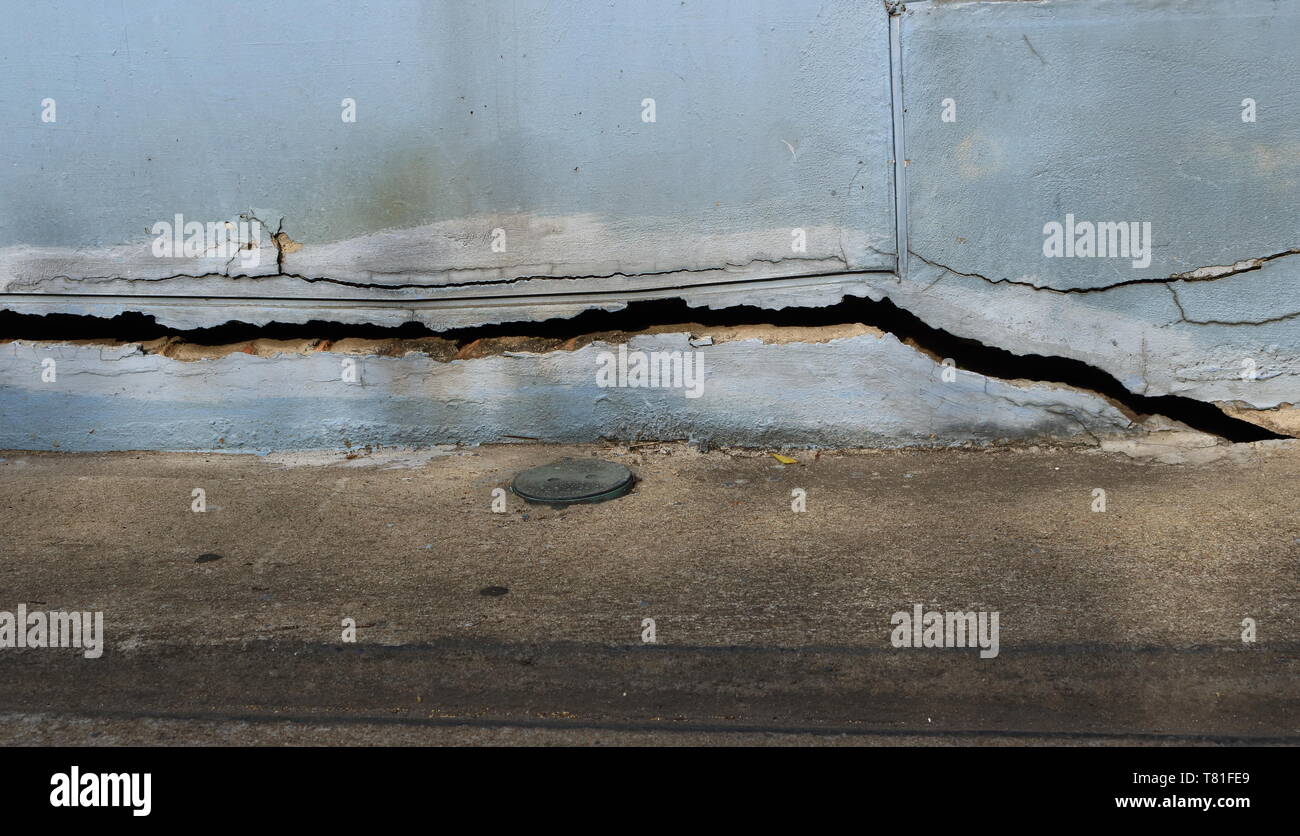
x=665 y=315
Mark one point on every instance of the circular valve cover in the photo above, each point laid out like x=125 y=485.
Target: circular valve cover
x=570 y=481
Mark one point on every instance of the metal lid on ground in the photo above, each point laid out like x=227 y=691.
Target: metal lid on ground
x=572 y=481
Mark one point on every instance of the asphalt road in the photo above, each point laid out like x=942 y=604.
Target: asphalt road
x=771 y=626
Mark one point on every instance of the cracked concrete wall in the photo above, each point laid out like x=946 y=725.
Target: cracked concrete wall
x=470 y=117
x=863 y=389
x=769 y=116
x=1111 y=111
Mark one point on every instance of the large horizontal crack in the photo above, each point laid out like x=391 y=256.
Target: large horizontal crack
x=657 y=316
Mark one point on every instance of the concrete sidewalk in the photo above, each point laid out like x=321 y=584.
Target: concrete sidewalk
x=1122 y=626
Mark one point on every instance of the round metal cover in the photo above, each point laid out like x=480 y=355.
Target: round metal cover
x=571 y=481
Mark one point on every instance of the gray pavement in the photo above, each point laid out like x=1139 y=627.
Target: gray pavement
x=771 y=626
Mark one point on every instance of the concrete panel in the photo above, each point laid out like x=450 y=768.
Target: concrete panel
x=1020 y=115
x=860 y=390
x=527 y=117
x=1110 y=111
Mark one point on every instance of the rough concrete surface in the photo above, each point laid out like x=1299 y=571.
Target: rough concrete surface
x=1092 y=110
x=864 y=388
x=503 y=169
x=530 y=118
x=1122 y=626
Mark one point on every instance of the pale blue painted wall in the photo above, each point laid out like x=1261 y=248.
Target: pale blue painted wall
x=771 y=115
x=463 y=109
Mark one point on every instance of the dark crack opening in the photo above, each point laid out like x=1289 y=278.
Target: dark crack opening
x=969 y=355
